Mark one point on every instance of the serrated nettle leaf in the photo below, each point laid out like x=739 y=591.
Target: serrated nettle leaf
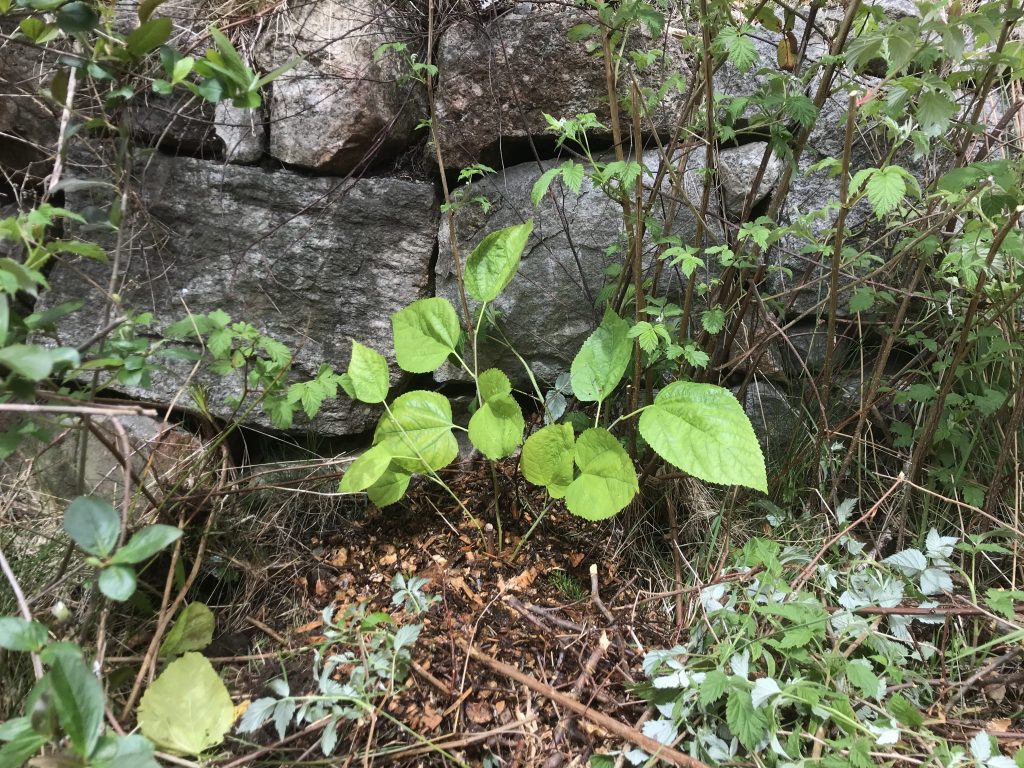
x=860 y=674
x=368 y=374
x=366 y=470
x=117 y=582
x=93 y=525
x=745 y=722
x=702 y=430
x=547 y=458
x=192 y=631
x=602 y=360
x=540 y=187
x=493 y=263
x=418 y=431
x=146 y=543
x=496 y=429
x=607 y=481
x=187 y=709
x=661 y=730
x=886 y=188
x=426 y=332
x=939 y=547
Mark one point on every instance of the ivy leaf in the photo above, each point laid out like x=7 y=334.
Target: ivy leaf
x=419 y=425
x=426 y=332
x=886 y=188
x=607 y=480
x=702 y=430
x=599 y=365
x=187 y=709
x=493 y=263
x=547 y=458
x=746 y=723
x=368 y=373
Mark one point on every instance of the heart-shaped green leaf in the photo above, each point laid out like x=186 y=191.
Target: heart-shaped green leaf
x=368 y=374
x=187 y=709
x=702 y=430
x=496 y=429
x=365 y=470
x=607 y=481
x=426 y=332
x=548 y=458
x=418 y=432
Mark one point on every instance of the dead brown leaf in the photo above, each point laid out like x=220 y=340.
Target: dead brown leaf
x=479 y=712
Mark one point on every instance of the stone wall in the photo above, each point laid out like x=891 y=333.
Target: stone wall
x=317 y=215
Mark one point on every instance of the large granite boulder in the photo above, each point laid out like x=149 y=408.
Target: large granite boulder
x=341 y=107
x=313 y=262
x=498 y=77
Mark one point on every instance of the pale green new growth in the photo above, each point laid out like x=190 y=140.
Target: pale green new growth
x=187 y=709
x=599 y=365
x=702 y=430
x=368 y=374
x=426 y=332
x=493 y=263
x=607 y=481
x=548 y=458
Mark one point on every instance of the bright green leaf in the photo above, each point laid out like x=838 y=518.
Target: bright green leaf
x=746 y=723
x=131 y=751
x=30 y=361
x=368 y=374
x=493 y=263
x=493 y=383
x=702 y=430
x=886 y=188
x=192 y=631
x=78 y=699
x=547 y=458
x=418 y=430
x=607 y=480
x=187 y=709
x=18 y=634
x=426 y=332
x=148 y=37
x=602 y=360
x=389 y=488
x=496 y=429
x=365 y=470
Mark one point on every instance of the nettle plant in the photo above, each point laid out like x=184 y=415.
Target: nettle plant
x=699 y=428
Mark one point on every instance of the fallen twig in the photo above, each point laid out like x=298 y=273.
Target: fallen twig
x=600 y=719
